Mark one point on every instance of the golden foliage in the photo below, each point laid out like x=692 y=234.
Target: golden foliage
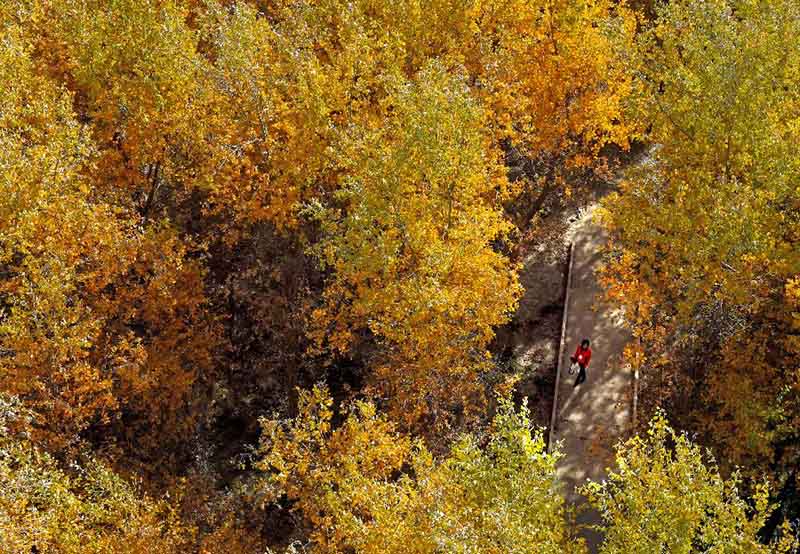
x=706 y=230
x=91 y=510
x=665 y=497
x=367 y=489
x=99 y=313
x=139 y=139
x=409 y=241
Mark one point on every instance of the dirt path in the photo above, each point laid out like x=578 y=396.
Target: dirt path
x=591 y=417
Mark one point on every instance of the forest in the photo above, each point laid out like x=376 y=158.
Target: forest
x=263 y=264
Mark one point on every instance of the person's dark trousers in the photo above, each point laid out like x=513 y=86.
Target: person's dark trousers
x=581 y=375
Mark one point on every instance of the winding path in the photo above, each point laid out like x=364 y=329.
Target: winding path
x=590 y=418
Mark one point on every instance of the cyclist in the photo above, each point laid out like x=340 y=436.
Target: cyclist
x=581 y=357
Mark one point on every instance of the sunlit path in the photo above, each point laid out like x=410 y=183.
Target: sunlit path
x=591 y=417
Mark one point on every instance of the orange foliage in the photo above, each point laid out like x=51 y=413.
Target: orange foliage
x=100 y=314
x=705 y=248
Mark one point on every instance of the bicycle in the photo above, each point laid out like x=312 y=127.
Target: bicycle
x=573 y=368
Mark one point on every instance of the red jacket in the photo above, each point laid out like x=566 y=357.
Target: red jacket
x=583 y=356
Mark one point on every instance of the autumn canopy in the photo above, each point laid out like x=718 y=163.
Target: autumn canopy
x=258 y=260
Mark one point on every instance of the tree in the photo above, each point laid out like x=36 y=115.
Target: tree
x=281 y=105
x=664 y=497
x=501 y=494
x=43 y=509
x=545 y=72
x=142 y=86
x=705 y=233
x=366 y=488
x=410 y=242
x=554 y=86
x=101 y=315
x=227 y=119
